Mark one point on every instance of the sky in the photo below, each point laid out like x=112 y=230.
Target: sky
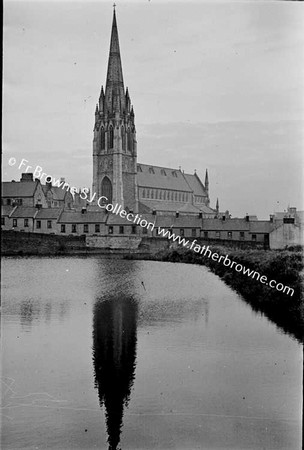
x=217 y=85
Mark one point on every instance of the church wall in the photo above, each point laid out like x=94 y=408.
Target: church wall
x=129 y=190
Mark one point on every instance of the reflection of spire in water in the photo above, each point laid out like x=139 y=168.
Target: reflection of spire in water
x=114 y=357
x=206 y=311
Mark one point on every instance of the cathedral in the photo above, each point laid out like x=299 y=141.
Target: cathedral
x=116 y=173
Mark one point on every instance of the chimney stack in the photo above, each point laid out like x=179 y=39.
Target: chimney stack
x=26 y=177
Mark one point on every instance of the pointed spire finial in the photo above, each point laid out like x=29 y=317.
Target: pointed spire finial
x=114 y=92
x=114 y=6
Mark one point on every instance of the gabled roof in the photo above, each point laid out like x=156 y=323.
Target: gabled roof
x=178 y=222
x=87 y=217
x=48 y=213
x=160 y=181
x=19 y=188
x=225 y=225
x=187 y=222
x=58 y=192
x=260 y=226
x=115 y=219
x=6 y=210
x=195 y=184
x=24 y=212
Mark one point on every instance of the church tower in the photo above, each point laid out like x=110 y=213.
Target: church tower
x=114 y=143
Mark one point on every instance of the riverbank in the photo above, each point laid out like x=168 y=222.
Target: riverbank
x=284 y=266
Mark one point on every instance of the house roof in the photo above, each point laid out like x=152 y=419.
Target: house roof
x=178 y=222
x=160 y=181
x=48 y=213
x=6 y=210
x=24 y=212
x=58 y=192
x=115 y=219
x=19 y=188
x=225 y=225
x=87 y=217
x=260 y=226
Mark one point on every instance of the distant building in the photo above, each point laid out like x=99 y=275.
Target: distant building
x=57 y=197
x=288 y=228
x=30 y=192
x=25 y=192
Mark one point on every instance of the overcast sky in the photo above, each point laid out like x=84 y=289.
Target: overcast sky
x=217 y=85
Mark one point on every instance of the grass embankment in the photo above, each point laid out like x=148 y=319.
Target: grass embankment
x=284 y=266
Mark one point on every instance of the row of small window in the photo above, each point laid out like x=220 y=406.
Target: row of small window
x=198 y=199
x=159 y=194
x=15 y=222
x=10 y=201
x=26 y=223
x=74 y=228
x=97 y=229
x=229 y=235
x=127 y=139
x=162 y=171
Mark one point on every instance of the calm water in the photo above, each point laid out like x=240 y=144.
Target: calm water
x=101 y=353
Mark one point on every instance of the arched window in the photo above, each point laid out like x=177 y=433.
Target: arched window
x=151 y=170
x=156 y=193
x=172 y=196
x=183 y=197
x=152 y=193
x=110 y=137
x=106 y=189
x=130 y=140
x=102 y=139
x=148 y=193
x=143 y=193
x=180 y=197
x=168 y=195
x=160 y=194
x=123 y=139
x=176 y=196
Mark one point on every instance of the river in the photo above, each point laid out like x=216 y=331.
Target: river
x=105 y=353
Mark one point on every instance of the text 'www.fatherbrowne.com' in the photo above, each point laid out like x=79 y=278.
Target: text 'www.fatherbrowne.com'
x=205 y=251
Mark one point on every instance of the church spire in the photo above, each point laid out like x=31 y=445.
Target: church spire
x=207 y=180
x=114 y=95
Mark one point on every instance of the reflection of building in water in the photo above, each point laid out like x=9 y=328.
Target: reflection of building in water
x=114 y=357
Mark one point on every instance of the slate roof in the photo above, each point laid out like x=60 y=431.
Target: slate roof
x=6 y=210
x=18 y=188
x=195 y=184
x=87 y=217
x=157 y=180
x=178 y=222
x=225 y=225
x=24 y=212
x=58 y=192
x=115 y=219
x=257 y=226
x=261 y=226
x=48 y=213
